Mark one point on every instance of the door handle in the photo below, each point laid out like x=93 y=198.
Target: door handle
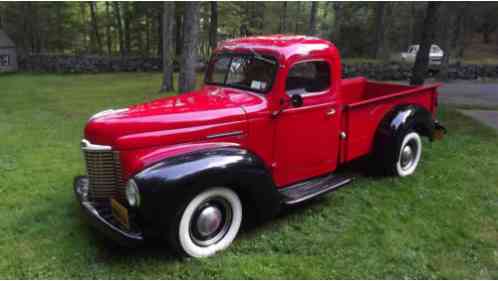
x=330 y=112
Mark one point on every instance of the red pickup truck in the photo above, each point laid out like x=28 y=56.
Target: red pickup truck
x=271 y=124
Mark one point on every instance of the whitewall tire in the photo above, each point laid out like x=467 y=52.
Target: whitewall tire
x=409 y=154
x=210 y=222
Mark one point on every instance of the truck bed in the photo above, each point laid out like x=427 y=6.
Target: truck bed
x=366 y=104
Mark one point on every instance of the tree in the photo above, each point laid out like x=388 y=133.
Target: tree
x=187 y=76
x=411 y=36
x=96 y=41
x=179 y=31
x=461 y=20
x=213 y=25
x=283 y=18
x=312 y=25
x=168 y=20
x=446 y=23
x=422 y=60
x=126 y=31
x=108 y=29
x=336 y=33
x=119 y=24
x=379 y=45
x=297 y=18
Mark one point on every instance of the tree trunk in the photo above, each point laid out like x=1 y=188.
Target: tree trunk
x=312 y=26
x=97 y=42
x=59 y=22
x=445 y=40
x=85 y=28
x=168 y=20
x=422 y=60
x=25 y=28
x=297 y=18
x=459 y=39
x=117 y=12
x=147 y=35
x=160 y=34
x=127 y=32
x=388 y=22
x=283 y=18
x=179 y=35
x=413 y=15
x=187 y=77
x=108 y=29
x=379 y=51
x=336 y=33
x=213 y=25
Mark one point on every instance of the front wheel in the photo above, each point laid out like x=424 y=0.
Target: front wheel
x=209 y=223
x=409 y=154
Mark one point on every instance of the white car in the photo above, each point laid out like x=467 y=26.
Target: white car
x=435 y=55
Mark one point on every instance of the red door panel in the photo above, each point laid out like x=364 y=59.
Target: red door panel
x=306 y=141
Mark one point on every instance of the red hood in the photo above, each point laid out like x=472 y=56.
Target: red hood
x=188 y=113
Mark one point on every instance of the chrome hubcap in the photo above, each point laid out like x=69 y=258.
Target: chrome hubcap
x=210 y=222
x=407 y=157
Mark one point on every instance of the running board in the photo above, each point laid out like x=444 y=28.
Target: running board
x=306 y=190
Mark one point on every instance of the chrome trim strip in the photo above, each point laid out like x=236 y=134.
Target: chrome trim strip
x=86 y=145
x=227 y=134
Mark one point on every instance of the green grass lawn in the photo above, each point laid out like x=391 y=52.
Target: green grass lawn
x=440 y=223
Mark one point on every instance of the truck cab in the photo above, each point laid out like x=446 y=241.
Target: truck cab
x=269 y=127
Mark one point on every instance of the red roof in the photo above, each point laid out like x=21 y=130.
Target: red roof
x=281 y=45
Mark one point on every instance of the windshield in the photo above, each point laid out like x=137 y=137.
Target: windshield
x=244 y=71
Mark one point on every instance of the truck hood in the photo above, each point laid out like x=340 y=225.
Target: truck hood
x=186 y=117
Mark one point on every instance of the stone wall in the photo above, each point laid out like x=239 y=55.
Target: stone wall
x=400 y=71
x=87 y=64
x=96 y=64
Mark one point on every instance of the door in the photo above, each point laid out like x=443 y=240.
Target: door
x=306 y=137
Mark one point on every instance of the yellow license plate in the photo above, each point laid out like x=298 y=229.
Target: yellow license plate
x=120 y=213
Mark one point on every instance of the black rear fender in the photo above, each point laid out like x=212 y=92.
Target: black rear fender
x=396 y=123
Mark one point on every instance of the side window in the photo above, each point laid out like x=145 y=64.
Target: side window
x=308 y=77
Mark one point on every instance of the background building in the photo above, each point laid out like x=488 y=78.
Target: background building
x=8 y=54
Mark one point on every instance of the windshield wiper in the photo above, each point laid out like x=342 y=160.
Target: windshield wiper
x=260 y=57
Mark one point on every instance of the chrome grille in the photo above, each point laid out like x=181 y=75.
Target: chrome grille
x=104 y=174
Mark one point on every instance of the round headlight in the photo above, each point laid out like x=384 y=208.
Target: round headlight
x=132 y=194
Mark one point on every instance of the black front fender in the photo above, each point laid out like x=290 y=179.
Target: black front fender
x=167 y=186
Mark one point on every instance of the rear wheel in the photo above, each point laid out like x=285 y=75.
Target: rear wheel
x=409 y=153
x=209 y=223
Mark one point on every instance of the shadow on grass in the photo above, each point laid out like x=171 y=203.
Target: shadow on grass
x=110 y=252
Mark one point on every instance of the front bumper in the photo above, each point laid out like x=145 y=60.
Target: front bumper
x=100 y=217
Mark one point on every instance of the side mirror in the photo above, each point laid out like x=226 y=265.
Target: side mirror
x=296 y=100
